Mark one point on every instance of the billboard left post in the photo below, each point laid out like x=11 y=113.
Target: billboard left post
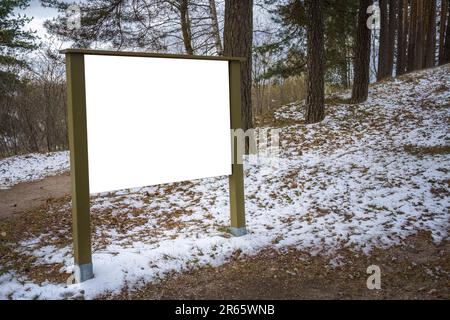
x=79 y=171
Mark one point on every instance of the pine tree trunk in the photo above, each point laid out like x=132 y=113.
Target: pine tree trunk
x=430 y=44
x=315 y=110
x=186 y=27
x=238 y=38
x=344 y=67
x=412 y=36
x=401 y=36
x=342 y=35
x=447 y=38
x=362 y=55
x=392 y=33
x=442 y=26
x=420 y=36
x=384 y=41
x=215 y=27
x=406 y=19
x=426 y=17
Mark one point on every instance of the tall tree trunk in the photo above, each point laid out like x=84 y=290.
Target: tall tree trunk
x=238 y=38
x=447 y=39
x=362 y=55
x=215 y=27
x=406 y=11
x=392 y=32
x=186 y=26
x=401 y=36
x=315 y=110
x=442 y=26
x=384 y=41
x=374 y=56
x=420 y=36
x=412 y=36
x=343 y=64
x=343 y=52
x=430 y=43
x=426 y=17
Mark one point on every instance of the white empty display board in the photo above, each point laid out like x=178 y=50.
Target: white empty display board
x=155 y=120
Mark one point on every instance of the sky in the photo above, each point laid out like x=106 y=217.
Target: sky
x=39 y=15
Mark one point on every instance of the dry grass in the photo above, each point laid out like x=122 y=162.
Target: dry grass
x=34 y=223
x=432 y=150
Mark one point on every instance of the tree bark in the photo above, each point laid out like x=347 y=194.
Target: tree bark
x=426 y=17
x=360 y=89
x=447 y=38
x=315 y=110
x=238 y=38
x=215 y=27
x=186 y=26
x=420 y=36
x=430 y=43
x=342 y=35
x=412 y=36
x=402 y=36
x=384 y=41
x=374 y=56
x=392 y=33
x=406 y=16
x=442 y=26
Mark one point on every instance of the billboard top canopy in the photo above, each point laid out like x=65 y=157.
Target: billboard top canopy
x=149 y=55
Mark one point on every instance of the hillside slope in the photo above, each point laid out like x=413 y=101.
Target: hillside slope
x=367 y=177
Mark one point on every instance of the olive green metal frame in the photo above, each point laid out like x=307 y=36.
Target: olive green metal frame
x=77 y=128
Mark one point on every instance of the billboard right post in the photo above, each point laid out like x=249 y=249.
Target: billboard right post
x=236 y=180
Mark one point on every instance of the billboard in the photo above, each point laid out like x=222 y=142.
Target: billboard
x=140 y=119
x=155 y=120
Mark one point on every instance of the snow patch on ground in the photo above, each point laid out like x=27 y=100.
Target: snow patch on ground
x=31 y=167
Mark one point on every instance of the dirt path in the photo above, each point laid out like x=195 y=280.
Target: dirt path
x=30 y=195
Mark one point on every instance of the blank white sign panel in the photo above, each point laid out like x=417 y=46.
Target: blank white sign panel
x=155 y=120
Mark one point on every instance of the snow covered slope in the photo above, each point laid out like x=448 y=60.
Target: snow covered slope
x=368 y=176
